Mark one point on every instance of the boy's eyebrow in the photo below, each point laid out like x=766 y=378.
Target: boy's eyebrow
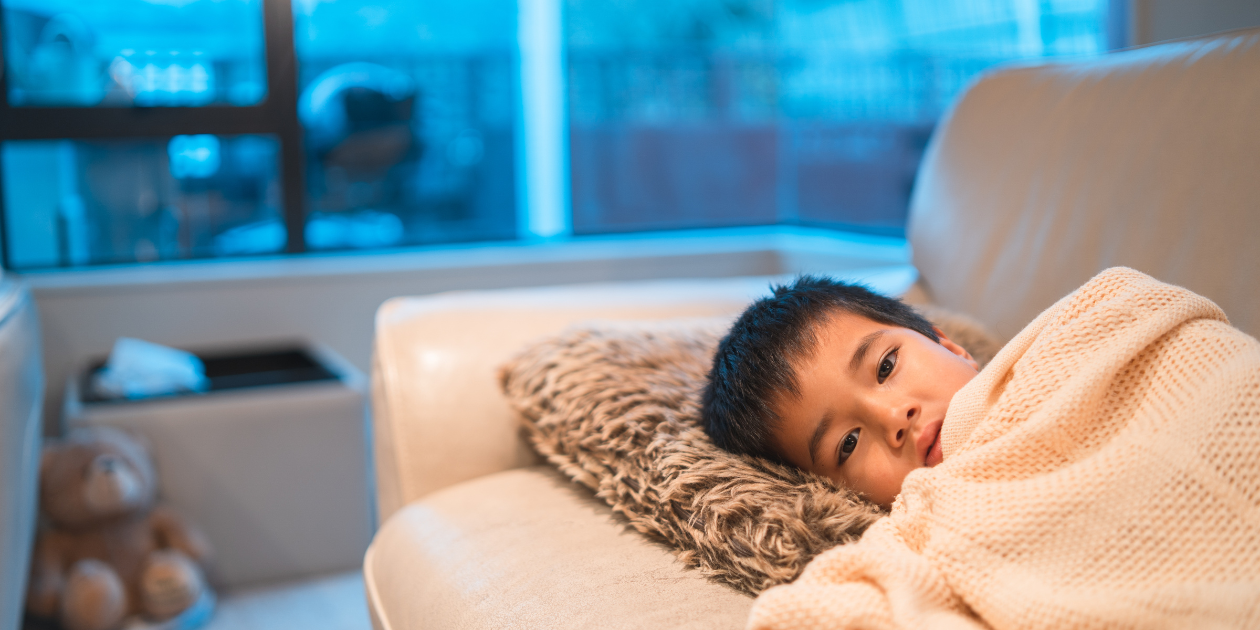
x=860 y=354
x=816 y=438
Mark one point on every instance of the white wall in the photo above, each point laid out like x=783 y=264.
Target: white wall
x=333 y=299
x=1153 y=21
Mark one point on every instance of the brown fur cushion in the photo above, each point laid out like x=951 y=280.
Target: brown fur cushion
x=616 y=407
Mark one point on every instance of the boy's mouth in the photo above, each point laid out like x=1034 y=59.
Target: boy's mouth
x=929 y=444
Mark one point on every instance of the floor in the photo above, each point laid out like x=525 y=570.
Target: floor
x=330 y=602
x=333 y=602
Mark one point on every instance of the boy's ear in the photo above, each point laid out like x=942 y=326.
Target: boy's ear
x=956 y=349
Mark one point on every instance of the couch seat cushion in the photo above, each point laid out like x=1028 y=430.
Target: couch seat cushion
x=527 y=548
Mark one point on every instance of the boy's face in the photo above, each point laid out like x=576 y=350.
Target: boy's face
x=872 y=399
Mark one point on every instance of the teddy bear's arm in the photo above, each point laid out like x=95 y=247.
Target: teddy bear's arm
x=43 y=593
x=174 y=532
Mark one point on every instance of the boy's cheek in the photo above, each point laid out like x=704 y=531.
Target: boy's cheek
x=883 y=479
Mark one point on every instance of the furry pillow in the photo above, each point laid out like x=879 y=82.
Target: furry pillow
x=615 y=405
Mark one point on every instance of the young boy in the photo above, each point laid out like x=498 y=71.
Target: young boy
x=835 y=379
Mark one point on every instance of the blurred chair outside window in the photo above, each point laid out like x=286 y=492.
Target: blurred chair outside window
x=409 y=111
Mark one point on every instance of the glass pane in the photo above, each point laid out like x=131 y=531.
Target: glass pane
x=149 y=53
x=84 y=202
x=702 y=113
x=409 y=111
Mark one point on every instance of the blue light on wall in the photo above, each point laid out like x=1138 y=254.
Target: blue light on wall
x=193 y=156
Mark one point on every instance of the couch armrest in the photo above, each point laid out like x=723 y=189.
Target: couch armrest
x=21 y=403
x=437 y=414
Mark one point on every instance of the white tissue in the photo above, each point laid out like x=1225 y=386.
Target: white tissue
x=137 y=369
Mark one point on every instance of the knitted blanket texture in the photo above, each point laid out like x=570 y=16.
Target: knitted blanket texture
x=1103 y=471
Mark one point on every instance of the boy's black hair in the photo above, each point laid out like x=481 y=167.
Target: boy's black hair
x=753 y=363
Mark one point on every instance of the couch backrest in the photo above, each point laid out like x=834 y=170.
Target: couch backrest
x=1043 y=176
x=21 y=425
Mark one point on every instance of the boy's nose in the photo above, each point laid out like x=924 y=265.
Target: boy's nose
x=899 y=422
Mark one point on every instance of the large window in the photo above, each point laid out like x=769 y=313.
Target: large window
x=149 y=130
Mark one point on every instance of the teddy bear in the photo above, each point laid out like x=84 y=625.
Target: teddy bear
x=104 y=549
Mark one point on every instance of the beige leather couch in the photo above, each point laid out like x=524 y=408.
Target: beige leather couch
x=1041 y=177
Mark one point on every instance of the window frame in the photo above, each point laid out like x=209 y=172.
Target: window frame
x=276 y=115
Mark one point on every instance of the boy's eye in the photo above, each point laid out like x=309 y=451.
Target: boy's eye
x=886 y=366
x=848 y=444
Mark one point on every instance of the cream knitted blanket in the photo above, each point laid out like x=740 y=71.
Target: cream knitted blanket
x=1102 y=472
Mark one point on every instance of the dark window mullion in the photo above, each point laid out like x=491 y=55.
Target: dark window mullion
x=282 y=97
x=52 y=123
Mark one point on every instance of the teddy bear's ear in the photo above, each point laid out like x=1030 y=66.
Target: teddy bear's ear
x=117 y=435
x=138 y=438
x=79 y=435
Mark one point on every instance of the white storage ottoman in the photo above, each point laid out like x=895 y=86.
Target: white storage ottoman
x=272 y=465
